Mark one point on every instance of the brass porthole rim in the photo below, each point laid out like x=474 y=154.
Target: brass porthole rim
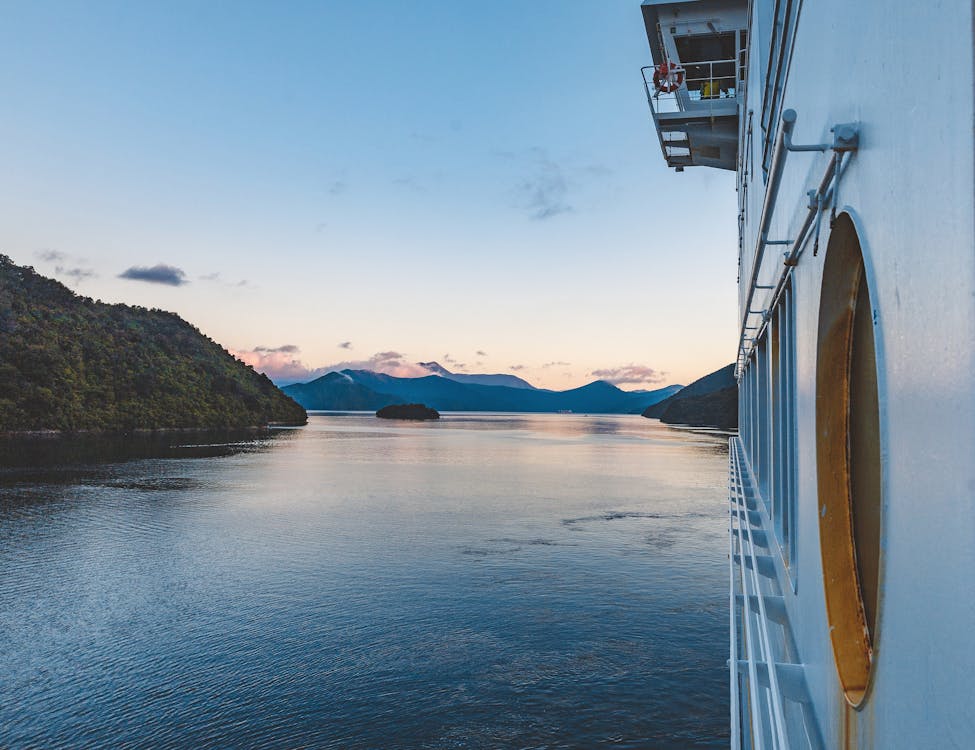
x=849 y=463
x=880 y=352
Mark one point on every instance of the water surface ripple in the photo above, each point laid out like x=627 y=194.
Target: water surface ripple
x=539 y=581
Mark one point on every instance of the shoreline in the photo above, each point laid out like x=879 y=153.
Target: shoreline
x=48 y=434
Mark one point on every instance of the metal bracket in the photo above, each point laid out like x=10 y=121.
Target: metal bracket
x=846 y=137
x=788 y=121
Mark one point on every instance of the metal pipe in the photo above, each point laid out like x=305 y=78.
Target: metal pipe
x=768 y=208
x=817 y=203
x=846 y=140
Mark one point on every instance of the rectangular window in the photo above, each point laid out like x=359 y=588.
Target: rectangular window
x=764 y=424
x=769 y=422
x=791 y=439
x=782 y=336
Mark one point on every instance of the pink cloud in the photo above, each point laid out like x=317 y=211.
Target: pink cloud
x=283 y=364
x=630 y=374
x=389 y=363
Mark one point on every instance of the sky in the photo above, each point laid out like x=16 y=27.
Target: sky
x=317 y=185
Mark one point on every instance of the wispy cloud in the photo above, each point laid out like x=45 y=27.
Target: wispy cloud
x=75 y=274
x=630 y=374
x=280 y=363
x=551 y=186
x=51 y=256
x=216 y=278
x=390 y=363
x=157 y=274
x=544 y=192
x=598 y=170
x=516 y=368
x=556 y=364
x=409 y=182
x=338 y=187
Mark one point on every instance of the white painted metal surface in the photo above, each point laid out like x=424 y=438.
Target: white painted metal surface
x=910 y=190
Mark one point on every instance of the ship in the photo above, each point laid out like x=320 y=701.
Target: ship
x=851 y=534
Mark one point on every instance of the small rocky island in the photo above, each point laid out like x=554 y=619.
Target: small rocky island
x=408 y=411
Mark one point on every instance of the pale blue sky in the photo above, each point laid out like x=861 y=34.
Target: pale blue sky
x=430 y=178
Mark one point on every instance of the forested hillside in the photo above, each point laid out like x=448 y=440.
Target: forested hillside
x=711 y=401
x=70 y=363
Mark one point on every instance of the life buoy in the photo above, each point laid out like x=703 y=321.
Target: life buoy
x=668 y=77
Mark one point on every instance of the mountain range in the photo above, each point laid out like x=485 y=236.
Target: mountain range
x=512 y=381
x=447 y=391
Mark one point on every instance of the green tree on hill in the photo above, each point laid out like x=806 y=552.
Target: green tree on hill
x=70 y=363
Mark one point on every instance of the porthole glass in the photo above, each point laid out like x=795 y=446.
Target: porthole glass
x=848 y=458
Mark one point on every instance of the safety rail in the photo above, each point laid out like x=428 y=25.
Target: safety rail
x=695 y=110
x=761 y=716
x=700 y=88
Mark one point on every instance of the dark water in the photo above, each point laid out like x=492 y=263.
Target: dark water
x=544 y=581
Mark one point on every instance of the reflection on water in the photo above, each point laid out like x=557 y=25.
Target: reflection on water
x=478 y=582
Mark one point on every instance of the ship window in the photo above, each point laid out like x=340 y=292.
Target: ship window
x=848 y=458
x=709 y=61
x=765 y=424
x=758 y=436
x=783 y=419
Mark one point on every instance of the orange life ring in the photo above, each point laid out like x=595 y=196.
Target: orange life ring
x=668 y=77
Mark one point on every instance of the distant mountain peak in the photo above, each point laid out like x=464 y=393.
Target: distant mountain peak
x=600 y=385
x=503 y=379
x=436 y=368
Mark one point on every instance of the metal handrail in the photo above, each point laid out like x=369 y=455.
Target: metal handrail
x=845 y=139
x=684 y=97
x=733 y=631
x=776 y=714
x=755 y=628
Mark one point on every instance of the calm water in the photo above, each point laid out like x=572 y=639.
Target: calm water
x=549 y=581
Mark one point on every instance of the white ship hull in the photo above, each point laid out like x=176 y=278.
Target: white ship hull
x=857 y=419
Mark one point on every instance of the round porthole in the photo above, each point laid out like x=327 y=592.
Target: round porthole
x=848 y=458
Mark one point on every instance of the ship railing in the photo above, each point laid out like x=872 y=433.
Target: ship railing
x=707 y=85
x=770 y=705
x=709 y=89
